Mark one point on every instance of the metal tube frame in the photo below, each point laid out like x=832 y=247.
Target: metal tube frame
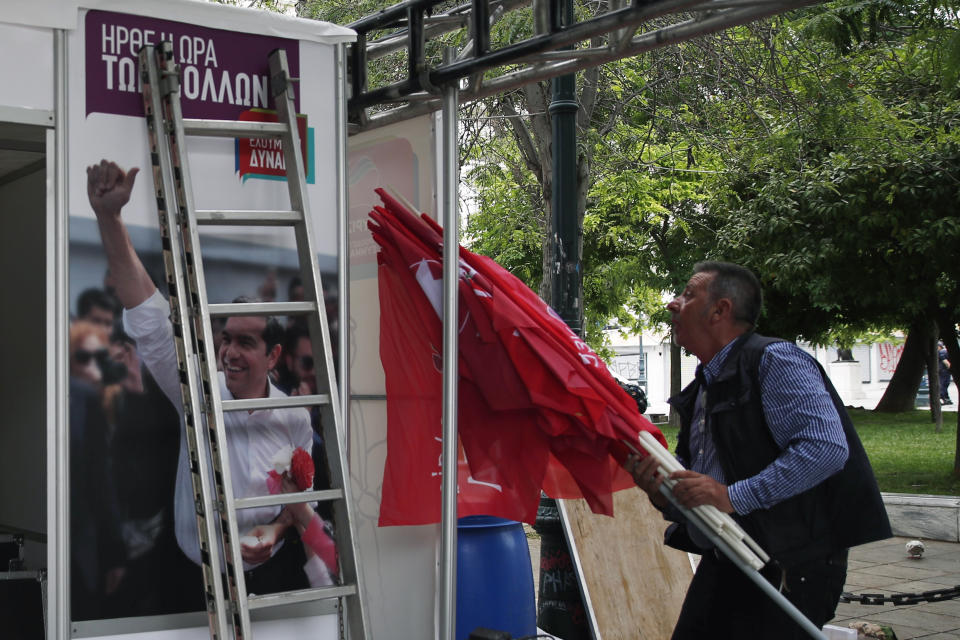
x=546 y=63
x=58 y=310
x=555 y=39
x=343 y=247
x=539 y=51
x=452 y=20
x=451 y=263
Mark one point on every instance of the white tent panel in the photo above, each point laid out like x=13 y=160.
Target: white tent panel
x=62 y=14
x=26 y=67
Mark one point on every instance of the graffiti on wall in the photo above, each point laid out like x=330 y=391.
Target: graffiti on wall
x=889 y=357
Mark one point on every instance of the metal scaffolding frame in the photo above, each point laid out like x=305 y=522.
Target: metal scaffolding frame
x=407 y=26
x=432 y=85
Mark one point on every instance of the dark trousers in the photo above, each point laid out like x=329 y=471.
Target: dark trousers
x=724 y=603
x=282 y=572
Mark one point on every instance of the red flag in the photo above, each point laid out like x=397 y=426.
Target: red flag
x=410 y=341
x=537 y=408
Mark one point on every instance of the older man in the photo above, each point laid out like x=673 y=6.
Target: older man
x=249 y=349
x=765 y=437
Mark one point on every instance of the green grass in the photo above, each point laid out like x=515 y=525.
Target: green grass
x=907 y=455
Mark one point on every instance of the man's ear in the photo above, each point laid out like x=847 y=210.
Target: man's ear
x=273 y=356
x=722 y=309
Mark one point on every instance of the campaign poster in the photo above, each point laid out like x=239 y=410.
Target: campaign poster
x=133 y=535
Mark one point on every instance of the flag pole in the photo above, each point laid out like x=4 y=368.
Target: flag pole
x=451 y=263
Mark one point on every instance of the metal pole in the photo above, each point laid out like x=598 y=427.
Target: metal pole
x=562 y=618
x=343 y=249
x=451 y=259
x=58 y=427
x=566 y=282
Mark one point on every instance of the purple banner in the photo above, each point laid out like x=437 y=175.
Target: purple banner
x=222 y=73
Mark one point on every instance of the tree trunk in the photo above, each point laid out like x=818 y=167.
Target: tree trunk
x=901 y=393
x=548 y=242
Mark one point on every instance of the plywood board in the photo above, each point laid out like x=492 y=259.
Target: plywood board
x=633 y=582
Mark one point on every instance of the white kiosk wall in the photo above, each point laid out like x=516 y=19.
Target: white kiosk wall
x=399 y=564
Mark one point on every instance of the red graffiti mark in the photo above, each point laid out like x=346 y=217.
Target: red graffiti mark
x=889 y=357
x=559 y=559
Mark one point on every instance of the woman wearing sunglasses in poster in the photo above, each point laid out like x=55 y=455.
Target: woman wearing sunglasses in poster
x=96 y=556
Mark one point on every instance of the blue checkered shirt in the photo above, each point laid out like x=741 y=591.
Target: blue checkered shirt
x=802 y=420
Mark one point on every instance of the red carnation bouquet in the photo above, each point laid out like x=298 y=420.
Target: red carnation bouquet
x=294 y=464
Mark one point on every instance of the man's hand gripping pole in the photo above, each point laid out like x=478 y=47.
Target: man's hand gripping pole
x=722 y=531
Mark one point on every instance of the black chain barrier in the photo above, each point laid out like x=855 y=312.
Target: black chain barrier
x=938 y=595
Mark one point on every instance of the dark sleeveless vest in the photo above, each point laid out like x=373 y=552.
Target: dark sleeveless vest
x=843 y=511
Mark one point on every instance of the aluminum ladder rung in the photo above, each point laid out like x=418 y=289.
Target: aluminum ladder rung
x=261 y=309
x=191 y=316
x=253 y=404
x=326 y=495
x=233 y=129
x=301 y=595
x=210 y=217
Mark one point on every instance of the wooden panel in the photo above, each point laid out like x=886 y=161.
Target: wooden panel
x=635 y=583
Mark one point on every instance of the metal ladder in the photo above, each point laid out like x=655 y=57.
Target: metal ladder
x=229 y=606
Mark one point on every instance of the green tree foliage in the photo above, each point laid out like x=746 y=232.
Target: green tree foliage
x=644 y=227
x=640 y=195
x=858 y=240
x=507 y=212
x=847 y=208
x=859 y=182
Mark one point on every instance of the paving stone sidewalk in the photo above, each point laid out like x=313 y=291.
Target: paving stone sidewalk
x=884 y=567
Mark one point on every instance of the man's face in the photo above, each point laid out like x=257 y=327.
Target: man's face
x=83 y=364
x=691 y=311
x=102 y=317
x=302 y=365
x=126 y=354
x=243 y=356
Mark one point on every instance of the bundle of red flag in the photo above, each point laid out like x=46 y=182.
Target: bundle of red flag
x=538 y=409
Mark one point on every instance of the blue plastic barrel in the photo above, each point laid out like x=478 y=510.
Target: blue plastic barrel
x=494 y=577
